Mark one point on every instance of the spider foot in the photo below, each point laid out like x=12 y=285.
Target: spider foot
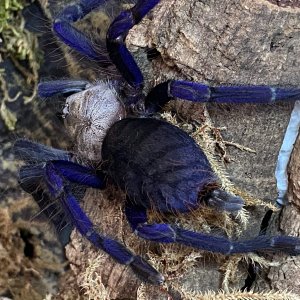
x=145 y=271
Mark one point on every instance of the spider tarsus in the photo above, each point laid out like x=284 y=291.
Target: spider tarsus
x=146 y=272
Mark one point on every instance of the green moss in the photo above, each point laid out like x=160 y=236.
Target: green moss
x=21 y=47
x=7 y=10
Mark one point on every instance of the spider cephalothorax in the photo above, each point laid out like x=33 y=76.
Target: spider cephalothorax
x=89 y=114
x=156 y=164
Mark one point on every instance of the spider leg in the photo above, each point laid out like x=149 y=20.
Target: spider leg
x=42 y=158
x=61 y=87
x=31 y=181
x=197 y=92
x=48 y=181
x=115 y=41
x=76 y=173
x=29 y=151
x=166 y=233
x=75 y=38
x=85 y=226
x=30 y=178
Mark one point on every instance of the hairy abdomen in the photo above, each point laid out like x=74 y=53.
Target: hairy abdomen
x=157 y=164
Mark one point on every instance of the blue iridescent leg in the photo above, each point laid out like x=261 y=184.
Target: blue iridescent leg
x=76 y=173
x=115 y=41
x=75 y=38
x=166 y=233
x=84 y=225
x=42 y=157
x=61 y=87
x=197 y=92
x=31 y=180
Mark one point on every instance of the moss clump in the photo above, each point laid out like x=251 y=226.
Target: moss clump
x=21 y=47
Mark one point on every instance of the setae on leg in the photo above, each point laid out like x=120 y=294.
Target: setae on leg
x=84 y=225
x=75 y=38
x=198 y=92
x=32 y=152
x=166 y=233
x=48 y=176
x=115 y=41
x=61 y=87
x=31 y=179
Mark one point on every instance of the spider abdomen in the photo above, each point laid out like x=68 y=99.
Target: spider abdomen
x=157 y=164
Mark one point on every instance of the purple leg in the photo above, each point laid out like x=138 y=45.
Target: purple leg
x=166 y=233
x=115 y=41
x=47 y=180
x=84 y=225
x=197 y=92
x=73 y=37
x=61 y=87
x=31 y=180
x=76 y=173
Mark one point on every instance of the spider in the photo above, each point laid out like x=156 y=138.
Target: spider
x=156 y=164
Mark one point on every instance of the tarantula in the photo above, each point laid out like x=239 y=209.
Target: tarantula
x=156 y=164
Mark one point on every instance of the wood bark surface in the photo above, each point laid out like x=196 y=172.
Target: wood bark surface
x=216 y=42
x=31 y=258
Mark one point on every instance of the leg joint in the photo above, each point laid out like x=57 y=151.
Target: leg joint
x=118 y=30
